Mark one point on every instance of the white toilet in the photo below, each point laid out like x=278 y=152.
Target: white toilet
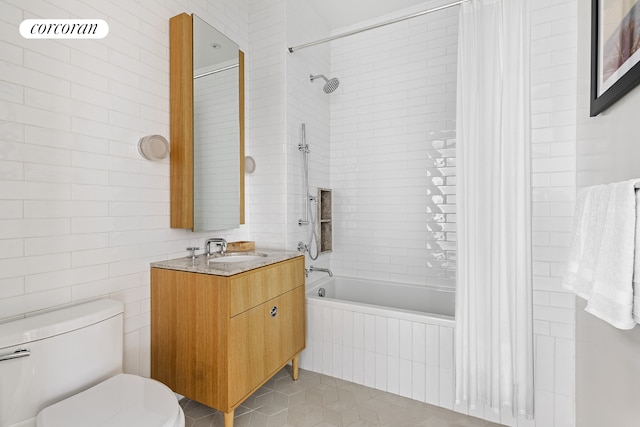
x=64 y=369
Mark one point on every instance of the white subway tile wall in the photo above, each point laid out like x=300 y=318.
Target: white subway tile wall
x=393 y=151
x=553 y=138
x=266 y=187
x=306 y=103
x=81 y=213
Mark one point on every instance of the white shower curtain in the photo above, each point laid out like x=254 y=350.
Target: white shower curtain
x=494 y=326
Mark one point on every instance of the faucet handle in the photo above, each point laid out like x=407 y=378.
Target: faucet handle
x=193 y=250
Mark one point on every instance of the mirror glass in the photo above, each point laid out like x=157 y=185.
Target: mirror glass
x=216 y=129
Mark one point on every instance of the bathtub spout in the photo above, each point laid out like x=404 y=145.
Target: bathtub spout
x=326 y=270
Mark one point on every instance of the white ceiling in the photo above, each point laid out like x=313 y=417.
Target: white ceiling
x=343 y=13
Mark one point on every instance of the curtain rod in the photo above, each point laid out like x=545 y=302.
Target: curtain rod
x=371 y=27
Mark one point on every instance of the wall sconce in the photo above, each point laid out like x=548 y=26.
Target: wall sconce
x=153 y=147
x=249 y=164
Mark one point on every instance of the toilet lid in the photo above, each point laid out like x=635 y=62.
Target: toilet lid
x=121 y=401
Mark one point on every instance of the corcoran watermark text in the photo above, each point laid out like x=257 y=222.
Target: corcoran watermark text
x=64 y=28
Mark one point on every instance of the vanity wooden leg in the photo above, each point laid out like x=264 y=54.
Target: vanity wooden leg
x=294 y=367
x=228 y=419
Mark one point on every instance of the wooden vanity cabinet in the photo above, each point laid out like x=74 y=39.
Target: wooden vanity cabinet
x=217 y=339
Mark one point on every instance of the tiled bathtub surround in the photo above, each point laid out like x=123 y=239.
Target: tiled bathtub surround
x=366 y=147
x=393 y=150
x=402 y=353
x=306 y=103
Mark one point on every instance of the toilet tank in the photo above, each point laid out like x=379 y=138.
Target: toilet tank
x=48 y=357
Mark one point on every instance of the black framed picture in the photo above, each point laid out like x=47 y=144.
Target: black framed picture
x=615 y=51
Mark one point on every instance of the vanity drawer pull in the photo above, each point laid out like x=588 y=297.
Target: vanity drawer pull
x=274 y=311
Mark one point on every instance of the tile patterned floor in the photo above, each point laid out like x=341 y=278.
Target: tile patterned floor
x=322 y=401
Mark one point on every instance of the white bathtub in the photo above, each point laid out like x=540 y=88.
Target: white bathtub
x=393 y=337
x=421 y=300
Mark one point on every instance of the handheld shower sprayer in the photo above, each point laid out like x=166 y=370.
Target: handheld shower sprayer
x=303 y=146
x=309 y=208
x=330 y=85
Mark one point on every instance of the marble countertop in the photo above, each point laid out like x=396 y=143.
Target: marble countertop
x=202 y=265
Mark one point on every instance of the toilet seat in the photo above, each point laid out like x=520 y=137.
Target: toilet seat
x=121 y=401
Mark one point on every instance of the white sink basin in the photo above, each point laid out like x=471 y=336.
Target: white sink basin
x=236 y=257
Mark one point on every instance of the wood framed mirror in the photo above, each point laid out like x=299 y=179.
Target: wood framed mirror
x=206 y=80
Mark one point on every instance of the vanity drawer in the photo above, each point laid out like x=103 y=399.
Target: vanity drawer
x=250 y=289
x=261 y=338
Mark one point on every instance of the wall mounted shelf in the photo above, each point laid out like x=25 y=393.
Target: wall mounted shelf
x=325 y=227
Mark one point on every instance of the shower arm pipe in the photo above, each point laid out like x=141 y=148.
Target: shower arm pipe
x=371 y=27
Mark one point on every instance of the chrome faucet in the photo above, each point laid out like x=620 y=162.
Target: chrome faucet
x=217 y=241
x=326 y=270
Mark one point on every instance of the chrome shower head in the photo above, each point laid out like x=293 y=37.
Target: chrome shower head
x=330 y=85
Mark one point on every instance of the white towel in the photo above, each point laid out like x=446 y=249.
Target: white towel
x=602 y=258
x=589 y=214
